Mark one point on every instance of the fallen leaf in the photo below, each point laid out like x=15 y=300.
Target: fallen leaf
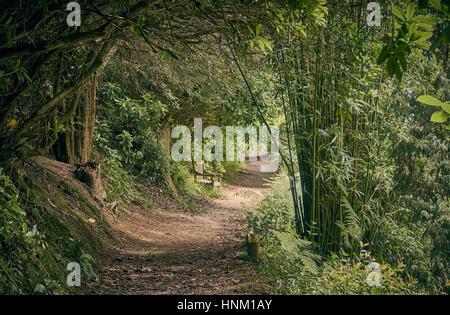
x=12 y=123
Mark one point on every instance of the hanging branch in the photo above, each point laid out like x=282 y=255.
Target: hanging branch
x=44 y=47
x=98 y=61
x=298 y=212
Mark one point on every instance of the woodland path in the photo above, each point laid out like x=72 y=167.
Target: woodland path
x=178 y=252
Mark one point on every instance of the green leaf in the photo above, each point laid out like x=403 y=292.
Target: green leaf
x=398 y=13
x=436 y=4
x=250 y=30
x=412 y=28
x=402 y=60
x=430 y=100
x=398 y=72
x=423 y=36
x=428 y=27
x=421 y=45
x=414 y=37
x=383 y=55
x=446 y=108
x=426 y=19
x=258 y=29
x=410 y=11
x=439 y=117
x=390 y=66
x=267 y=43
x=261 y=45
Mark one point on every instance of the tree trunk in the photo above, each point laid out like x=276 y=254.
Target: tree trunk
x=84 y=133
x=90 y=173
x=75 y=145
x=164 y=139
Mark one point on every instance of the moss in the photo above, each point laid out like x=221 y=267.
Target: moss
x=59 y=212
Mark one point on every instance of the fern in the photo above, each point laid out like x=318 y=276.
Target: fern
x=88 y=266
x=298 y=249
x=350 y=225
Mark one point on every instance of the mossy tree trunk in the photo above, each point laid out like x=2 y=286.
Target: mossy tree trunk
x=74 y=146
x=164 y=139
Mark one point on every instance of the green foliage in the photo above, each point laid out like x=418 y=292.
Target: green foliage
x=293 y=268
x=372 y=168
x=342 y=275
x=12 y=216
x=35 y=245
x=261 y=41
x=126 y=132
x=284 y=254
x=230 y=168
x=275 y=212
x=88 y=266
x=409 y=35
x=368 y=165
x=184 y=179
x=117 y=179
x=440 y=116
x=421 y=177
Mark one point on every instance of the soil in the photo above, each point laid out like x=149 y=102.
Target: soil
x=171 y=250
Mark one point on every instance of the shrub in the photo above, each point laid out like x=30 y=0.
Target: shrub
x=126 y=130
x=291 y=265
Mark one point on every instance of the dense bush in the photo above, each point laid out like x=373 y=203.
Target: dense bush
x=292 y=266
x=126 y=132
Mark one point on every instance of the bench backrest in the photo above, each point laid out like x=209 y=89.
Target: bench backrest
x=199 y=167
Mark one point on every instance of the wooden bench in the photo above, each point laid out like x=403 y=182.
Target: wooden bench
x=207 y=178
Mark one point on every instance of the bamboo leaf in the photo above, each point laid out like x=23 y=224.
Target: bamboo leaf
x=250 y=30
x=267 y=43
x=258 y=29
x=261 y=45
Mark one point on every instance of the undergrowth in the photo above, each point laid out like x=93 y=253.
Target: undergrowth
x=36 y=245
x=292 y=266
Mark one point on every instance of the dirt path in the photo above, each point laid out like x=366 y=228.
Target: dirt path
x=169 y=252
